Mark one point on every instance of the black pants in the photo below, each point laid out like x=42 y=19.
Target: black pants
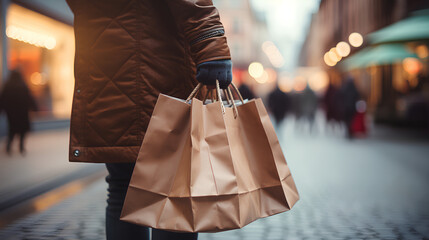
x=118 y=180
x=11 y=135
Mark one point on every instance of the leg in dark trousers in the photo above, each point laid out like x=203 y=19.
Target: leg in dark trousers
x=10 y=137
x=118 y=180
x=21 y=142
x=165 y=235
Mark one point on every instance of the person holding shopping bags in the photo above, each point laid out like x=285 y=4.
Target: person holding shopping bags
x=127 y=53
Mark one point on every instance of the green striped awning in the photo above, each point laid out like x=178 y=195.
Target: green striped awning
x=377 y=55
x=413 y=28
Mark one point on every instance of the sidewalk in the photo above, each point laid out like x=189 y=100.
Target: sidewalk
x=44 y=166
x=373 y=188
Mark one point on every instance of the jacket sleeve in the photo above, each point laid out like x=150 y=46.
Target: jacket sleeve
x=199 y=21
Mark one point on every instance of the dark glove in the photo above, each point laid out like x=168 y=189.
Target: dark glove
x=208 y=72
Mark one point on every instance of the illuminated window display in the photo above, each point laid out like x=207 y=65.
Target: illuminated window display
x=43 y=49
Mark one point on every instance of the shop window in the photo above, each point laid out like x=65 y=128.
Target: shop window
x=43 y=50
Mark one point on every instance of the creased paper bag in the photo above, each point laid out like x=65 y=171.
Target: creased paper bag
x=201 y=170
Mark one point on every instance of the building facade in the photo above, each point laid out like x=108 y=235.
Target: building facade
x=246 y=30
x=383 y=86
x=337 y=19
x=37 y=39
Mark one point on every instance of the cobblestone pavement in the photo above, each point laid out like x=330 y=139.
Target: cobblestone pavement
x=374 y=188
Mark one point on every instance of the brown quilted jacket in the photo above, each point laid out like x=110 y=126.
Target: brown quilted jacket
x=127 y=52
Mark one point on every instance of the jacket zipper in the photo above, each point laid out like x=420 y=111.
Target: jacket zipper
x=208 y=34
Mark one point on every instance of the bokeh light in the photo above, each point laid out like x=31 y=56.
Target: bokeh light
x=318 y=81
x=412 y=65
x=299 y=84
x=37 y=78
x=361 y=106
x=343 y=49
x=356 y=39
x=273 y=54
x=256 y=70
x=334 y=55
x=285 y=84
x=272 y=74
x=263 y=78
x=422 y=51
x=328 y=60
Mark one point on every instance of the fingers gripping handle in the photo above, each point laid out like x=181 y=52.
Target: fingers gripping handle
x=228 y=94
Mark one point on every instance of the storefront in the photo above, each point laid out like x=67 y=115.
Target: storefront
x=42 y=48
x=396 y=66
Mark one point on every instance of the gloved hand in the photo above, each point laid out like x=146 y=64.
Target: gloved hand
x=208 y=72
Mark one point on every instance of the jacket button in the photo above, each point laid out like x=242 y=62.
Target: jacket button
x=76 y=153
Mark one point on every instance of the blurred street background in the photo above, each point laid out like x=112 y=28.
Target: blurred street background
x=346 y=83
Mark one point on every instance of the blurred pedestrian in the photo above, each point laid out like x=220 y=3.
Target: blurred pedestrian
x=332 y=106
x=16 y=100
x=246 y=92
x=127 y=53
x=349 y=97
x=278 y=104
x=308 y=103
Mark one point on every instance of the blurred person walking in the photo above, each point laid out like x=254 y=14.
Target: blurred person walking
x=278 y=104
x=349 y=97
x=246 y=92
x=332 y=106
x=127 y=53
x=308 y=103
x=330 y=103
x=16 y=100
